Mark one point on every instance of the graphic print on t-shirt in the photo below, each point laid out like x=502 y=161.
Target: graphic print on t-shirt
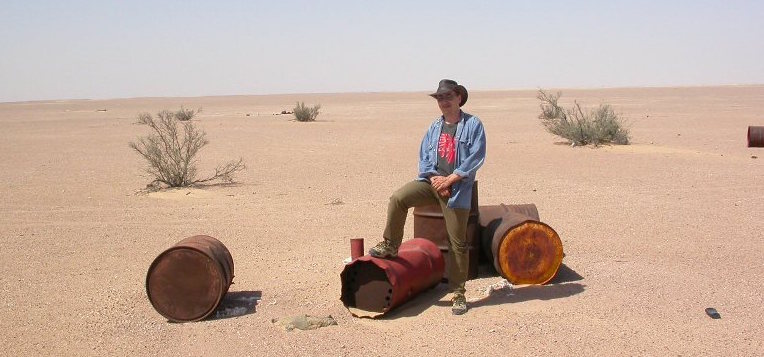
x=447 y=147
x=447 y=150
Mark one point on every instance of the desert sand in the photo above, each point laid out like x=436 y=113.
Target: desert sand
x=653 y=232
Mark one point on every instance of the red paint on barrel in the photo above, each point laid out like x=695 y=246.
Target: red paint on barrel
x=755 y=136
x=372 y=286
x=356 y=248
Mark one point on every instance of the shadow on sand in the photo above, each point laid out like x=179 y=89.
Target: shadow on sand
x=237 y=303
x=560 y=286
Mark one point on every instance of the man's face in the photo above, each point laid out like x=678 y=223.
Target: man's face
x=448 y=101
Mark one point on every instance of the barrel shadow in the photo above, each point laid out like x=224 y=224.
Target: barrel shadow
x=237 y=303
x=418 y=304
x=565 y=275
x=526 y=293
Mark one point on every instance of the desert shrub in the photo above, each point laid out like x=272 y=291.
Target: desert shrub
x=597 y=126
x=170 y=150
x=303 y=113
x=186 y=114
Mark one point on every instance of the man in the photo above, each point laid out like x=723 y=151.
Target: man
x=452 y=150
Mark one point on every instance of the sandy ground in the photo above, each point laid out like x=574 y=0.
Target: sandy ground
x=654 y=232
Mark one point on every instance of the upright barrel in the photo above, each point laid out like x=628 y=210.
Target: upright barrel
x=429 y=224
x=373 y=286
x=755 y=136
x=525 y=251
x=188 y=281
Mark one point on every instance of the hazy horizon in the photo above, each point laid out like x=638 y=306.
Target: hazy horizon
x=109 y=49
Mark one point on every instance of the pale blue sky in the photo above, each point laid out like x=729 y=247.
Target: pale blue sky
x=114 y=49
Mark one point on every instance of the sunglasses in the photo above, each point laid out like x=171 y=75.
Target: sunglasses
x=447 y=96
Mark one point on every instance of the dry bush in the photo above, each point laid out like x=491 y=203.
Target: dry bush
x=170 y=150
x=186 y=114
x=596 y=127
x=303 y=113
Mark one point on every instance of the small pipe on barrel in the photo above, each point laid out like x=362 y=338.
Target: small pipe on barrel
x=356 y=248
x=755 y=136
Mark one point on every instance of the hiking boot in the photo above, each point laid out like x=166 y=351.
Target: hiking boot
x=384 y=249
x=459 y=304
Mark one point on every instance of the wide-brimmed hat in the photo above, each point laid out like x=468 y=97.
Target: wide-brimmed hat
x=448 y=85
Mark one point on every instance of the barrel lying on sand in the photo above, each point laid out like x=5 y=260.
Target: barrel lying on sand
x=490 y=218
x=372 y=287
x=188 y=281
x=523 y=249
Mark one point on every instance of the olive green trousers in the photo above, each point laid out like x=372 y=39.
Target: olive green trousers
x=420 y=193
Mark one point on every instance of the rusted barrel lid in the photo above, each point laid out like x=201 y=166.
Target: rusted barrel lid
x=526 y=251
x=490 y=219
x=187 y=281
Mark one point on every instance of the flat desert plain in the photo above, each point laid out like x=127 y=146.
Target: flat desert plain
x=654 y=232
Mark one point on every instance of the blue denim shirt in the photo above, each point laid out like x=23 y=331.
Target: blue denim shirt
x=470 y=155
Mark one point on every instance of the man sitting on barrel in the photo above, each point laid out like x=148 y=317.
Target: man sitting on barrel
x=452 y=150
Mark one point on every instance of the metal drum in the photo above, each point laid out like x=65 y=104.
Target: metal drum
x=188 y=281
x=755 y=136
x=429 y=224
x=490 y=218
x=525 y=251
x=372 y=286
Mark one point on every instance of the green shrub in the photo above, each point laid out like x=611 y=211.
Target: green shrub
x=596 y=127
x=171 y=148
x=303 y=113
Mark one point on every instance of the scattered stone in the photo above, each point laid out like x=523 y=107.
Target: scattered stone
x=503 y=286
x=754 y=157
x=336 y=202
x=304 y=322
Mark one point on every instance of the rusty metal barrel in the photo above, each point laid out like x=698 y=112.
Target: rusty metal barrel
x=525 y=250
x=372 y=286
x=490 y=218
x=755 y=136
x=188 y=281
x=429 y=224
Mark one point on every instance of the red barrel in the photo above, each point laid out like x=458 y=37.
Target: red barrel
x=755 y=136
x=188 y=281
x=372 y=286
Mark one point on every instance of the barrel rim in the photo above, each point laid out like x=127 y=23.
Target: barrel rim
x=558 y=257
